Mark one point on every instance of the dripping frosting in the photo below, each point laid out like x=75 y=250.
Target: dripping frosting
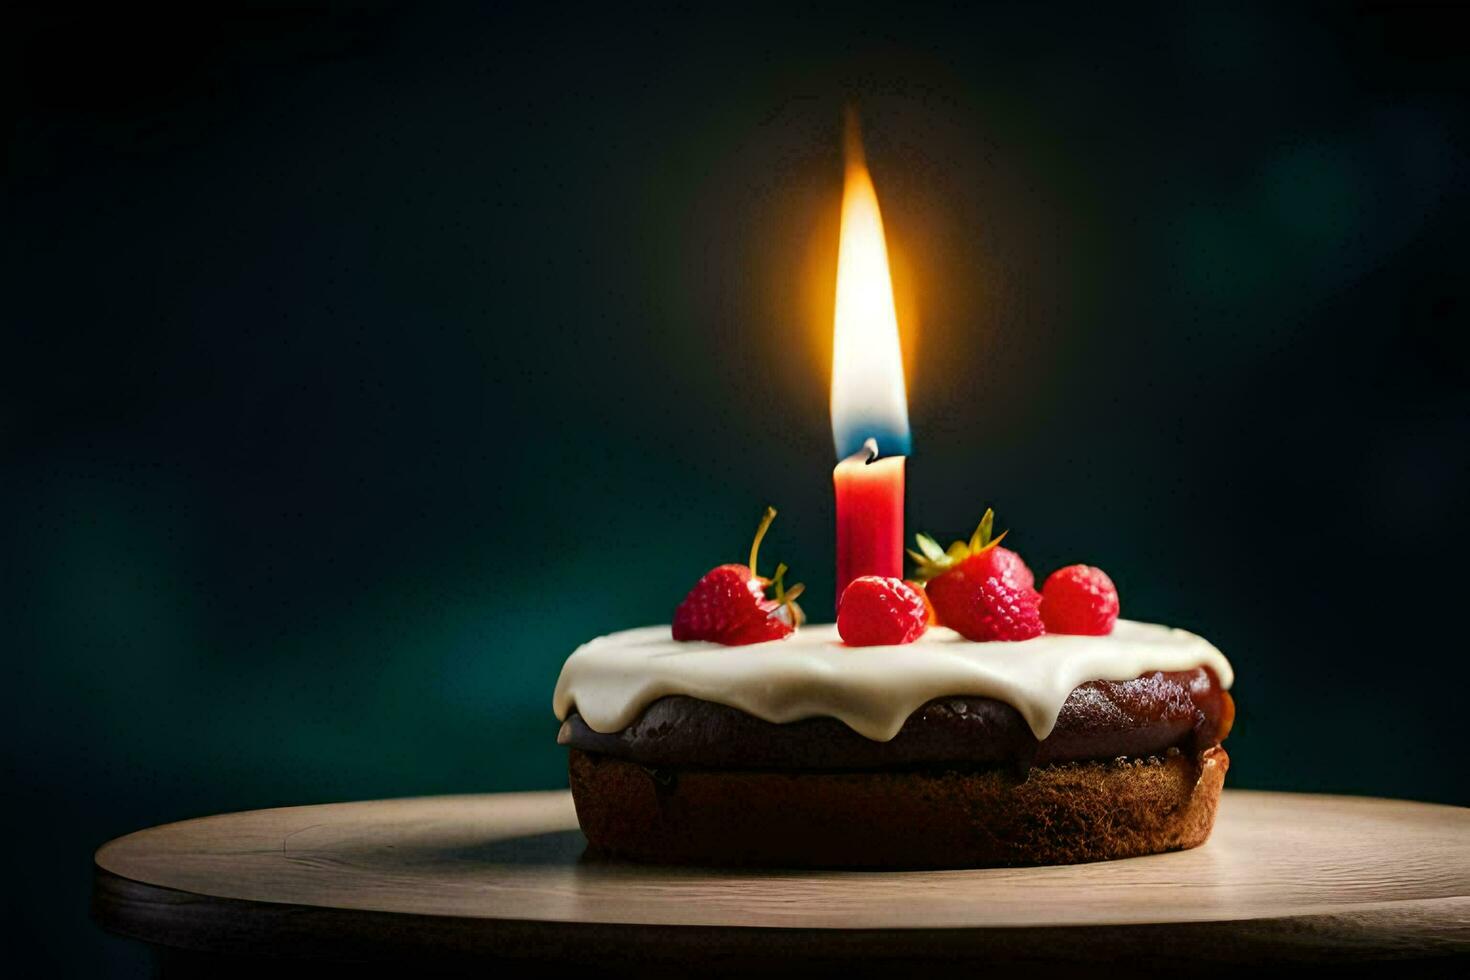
x=873 y=690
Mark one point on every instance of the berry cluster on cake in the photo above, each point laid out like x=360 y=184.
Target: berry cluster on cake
x=958 y=719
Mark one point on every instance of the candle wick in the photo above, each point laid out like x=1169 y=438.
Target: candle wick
x=870 y=446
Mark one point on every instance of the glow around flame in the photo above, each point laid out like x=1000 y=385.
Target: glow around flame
x=868 y=396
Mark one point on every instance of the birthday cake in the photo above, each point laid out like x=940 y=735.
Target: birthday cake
x=963 y=717
x=1031 y=727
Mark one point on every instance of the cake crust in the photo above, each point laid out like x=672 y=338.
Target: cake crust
x=924 y=818
x=1188 y=710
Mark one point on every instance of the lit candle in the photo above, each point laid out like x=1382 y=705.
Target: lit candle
x=870 y=419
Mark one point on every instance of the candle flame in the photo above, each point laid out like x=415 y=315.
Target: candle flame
x=869 y=401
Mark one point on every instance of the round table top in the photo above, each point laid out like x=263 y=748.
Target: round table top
x=1283 y=876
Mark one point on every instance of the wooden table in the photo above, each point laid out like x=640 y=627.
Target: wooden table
x=472 y=880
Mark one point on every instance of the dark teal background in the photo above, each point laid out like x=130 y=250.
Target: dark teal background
x=357 y=365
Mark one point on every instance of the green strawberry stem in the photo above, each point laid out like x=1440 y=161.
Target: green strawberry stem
x=760 y=533
x=981 y=537
x=785 y=598
x=933 y=561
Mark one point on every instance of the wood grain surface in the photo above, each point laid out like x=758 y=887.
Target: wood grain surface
x=1285 y=876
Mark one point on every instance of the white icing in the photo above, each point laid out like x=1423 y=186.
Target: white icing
x=811 y=673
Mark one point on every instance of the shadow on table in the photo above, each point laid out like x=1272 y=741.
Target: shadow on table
x=561 y=847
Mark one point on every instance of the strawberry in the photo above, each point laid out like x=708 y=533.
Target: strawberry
x=878 y=611
x=980 y=590
x=1079 y=599
x=729 y=605
x=1001 y=562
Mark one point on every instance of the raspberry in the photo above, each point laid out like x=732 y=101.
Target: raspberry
x=1079 y=599
x=979 y=589
x=877 y=611
x=1009 y=566
x=987 y=608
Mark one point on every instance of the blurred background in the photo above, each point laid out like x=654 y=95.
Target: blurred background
x=359 y=363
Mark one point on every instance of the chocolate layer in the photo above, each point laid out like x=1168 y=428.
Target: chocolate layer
x=1100 y=720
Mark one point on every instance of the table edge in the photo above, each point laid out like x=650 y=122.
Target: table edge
x=1407 y=929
